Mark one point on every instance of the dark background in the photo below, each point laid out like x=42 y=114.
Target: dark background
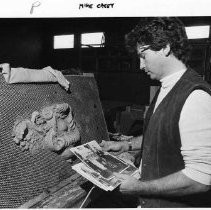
x=28 y=42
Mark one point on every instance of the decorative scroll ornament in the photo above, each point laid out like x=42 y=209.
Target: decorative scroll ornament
x=52 y=128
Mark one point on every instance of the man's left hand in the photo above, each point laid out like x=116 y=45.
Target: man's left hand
x=129 y=185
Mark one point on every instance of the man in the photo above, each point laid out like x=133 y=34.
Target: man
x=176 y=144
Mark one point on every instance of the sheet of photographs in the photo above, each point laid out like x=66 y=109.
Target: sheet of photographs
x=104 y=163
x=98 y=166
x=96 y=178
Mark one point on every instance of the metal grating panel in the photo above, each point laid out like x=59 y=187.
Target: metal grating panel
x=22 y=175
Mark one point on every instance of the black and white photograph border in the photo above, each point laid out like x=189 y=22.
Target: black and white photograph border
x=55 y=10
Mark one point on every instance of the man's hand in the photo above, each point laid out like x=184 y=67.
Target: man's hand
x=116 y=147
x=176 y=184
x=129 y=185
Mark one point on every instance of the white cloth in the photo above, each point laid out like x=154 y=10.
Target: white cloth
x=25 y=75
x=195 y=130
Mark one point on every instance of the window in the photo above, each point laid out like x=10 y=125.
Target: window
x=198 y=32
x=92 y=40
x=64 y=41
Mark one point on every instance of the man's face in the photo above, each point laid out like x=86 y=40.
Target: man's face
x=152 y=62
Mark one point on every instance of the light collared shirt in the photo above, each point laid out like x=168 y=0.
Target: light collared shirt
x=195 y=130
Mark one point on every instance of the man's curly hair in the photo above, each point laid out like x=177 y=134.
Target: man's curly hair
x=158 y=33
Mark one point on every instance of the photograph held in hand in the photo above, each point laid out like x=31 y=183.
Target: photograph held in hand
x=99 y=167
x=104 y=163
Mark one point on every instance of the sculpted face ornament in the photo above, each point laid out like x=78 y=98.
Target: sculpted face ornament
x=52 y=128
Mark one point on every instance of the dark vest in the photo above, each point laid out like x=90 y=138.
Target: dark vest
x=161 y=147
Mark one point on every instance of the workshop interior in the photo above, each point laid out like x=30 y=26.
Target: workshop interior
x=107 y=94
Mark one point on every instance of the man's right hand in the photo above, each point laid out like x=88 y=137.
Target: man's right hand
x=115 y=147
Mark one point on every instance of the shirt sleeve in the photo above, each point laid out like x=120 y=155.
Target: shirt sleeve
x=195 y=132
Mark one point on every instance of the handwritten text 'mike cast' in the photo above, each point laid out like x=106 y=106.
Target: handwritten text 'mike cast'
x=91 y=6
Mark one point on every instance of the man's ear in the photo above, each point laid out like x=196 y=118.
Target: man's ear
x=59 y=144
x=167 y=50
